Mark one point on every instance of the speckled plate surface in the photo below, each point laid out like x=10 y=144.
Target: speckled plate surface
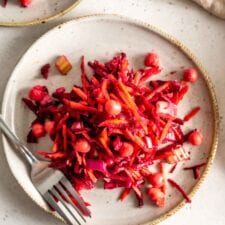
x=110 y=35
x=39 y=11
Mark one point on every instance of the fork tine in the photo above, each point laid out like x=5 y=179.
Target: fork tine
x=57 y=195
x=66 y=184
x=64 y=193
x=47 y=196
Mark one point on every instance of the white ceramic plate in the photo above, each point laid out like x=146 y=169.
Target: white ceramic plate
x=39 y=11
x=101 y=37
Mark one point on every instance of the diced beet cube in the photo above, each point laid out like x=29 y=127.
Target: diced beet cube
x=45 y=70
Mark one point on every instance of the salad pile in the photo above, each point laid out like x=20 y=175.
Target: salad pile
x=116 y=126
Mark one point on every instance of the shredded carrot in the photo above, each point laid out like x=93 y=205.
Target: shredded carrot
x=79 y=106
x=113 y=123
x=192 y=114
x=157 y=90
x=124 y=194
x=80 y=93
x=104 y=141
x=104 y=89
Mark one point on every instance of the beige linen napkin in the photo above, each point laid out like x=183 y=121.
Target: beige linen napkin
x=216 y=7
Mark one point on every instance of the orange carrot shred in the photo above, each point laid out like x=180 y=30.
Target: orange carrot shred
x=79 y=106
x=113 y=122
x=104 y=141
x=80 y=93
x=165 y=130
x=130 y=102
x=157 y=90
x=104 y=89
x=192 y=114
x=124 y=194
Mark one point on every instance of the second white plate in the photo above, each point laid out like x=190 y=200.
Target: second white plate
x=39 y=11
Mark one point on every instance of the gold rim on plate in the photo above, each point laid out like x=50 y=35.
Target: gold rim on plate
x=41 y=20
x=210 y=87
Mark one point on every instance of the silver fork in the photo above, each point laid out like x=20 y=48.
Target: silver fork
x=51 y=183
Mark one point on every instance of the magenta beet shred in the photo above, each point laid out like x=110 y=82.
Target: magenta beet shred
x=45 y=70
x=113 y=127
x=195 y=169
x=178 y=187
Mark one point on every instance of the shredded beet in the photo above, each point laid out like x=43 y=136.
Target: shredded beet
x=45 y=70
x=173 y=168
x=113 y=127
x=178 y=187
x=195 y=169
x=192 y=114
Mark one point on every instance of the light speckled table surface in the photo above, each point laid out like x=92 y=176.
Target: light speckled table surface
x=203 y=33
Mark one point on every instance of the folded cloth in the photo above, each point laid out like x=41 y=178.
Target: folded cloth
x=216 y=7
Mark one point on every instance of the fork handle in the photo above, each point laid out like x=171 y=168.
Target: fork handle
x=18 y=144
